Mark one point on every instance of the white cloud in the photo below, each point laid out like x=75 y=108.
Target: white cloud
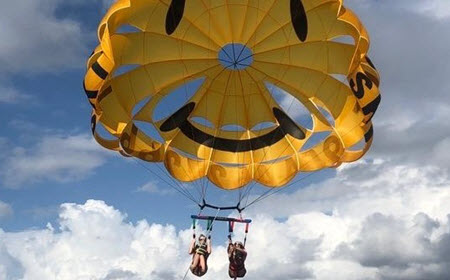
x=35 y=39
x=365 y=187
x=438 y=9
x=373 y=221
x=5 y=210
x=58 y=158
x=9 y=95
x=153 y=188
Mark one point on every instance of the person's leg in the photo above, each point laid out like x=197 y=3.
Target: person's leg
x=202 y=264
x=195 y=261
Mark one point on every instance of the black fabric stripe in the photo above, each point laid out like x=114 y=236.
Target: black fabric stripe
x=299 y=19
x=90 y=93
x=104 y=93
x=370 y=63
x=374 y=79
x=369 y=134
x=372 y=107
x=179 y=120
x=174 y=15
x=99 y=70
x=288 y=125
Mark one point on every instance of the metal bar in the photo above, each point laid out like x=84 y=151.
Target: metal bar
x=221 y=208
x=223 y=219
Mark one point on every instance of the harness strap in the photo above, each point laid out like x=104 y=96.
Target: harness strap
x=230 y=226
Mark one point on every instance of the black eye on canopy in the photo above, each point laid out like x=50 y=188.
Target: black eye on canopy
x=174 y=15
x=299 y=19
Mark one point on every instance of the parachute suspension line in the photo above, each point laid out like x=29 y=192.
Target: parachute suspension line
x=194 y=224
x=187 y=271
x=268 y=194
x=181 y=185
x=246 y=232
x=179 y=189
x=209 y=226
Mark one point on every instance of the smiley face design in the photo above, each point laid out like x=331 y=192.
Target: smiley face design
x=239 y=51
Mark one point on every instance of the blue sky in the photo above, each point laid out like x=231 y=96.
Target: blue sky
x=385 y=217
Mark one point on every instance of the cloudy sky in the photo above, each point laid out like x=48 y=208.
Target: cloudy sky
x=70 y=210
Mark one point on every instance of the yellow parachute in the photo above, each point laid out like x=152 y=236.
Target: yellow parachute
x=297 y=45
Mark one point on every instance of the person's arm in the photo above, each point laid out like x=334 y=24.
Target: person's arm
x=230 y=249
x=191 y=247
x=208 y=245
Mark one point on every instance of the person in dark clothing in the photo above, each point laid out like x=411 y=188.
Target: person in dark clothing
x=200 y=252
x=236 y=255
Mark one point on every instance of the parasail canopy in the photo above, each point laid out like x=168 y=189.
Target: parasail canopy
x=315 y=50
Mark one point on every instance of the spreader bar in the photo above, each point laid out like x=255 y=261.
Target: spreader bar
x=223 y=219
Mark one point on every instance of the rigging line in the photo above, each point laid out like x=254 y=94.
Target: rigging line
x=226 y=53
x=242 y=64
x=283 y=188
x=180 y=185
x=209 y=230
x=240 y=53
x=243 y=59
x=168 y=183
x=183 y=191
x=225 y=60
x=187 y=271
x=234 y=52
x=206 y=187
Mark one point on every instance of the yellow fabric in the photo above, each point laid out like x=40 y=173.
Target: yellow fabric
x=306 y=69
